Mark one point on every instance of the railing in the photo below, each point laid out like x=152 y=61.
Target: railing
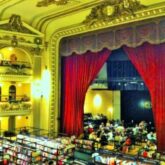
x=16 y=68
x=19 y=98
x=15 y=108
x=17 y=64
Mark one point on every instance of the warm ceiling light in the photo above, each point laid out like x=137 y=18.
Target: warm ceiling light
x=97 y=100
x=19 y=117
x=10 y=48
x=19 y=84
x=110 y=109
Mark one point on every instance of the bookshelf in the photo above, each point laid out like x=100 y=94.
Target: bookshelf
x=19 y=154
x=59 y=149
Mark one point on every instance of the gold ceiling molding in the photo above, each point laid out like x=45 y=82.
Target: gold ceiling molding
x=45 y=3
x=50 y=17
x=112 y=9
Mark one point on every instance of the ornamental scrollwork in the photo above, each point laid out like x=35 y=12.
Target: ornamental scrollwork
x=15 y=23
x=45 y=3
x=112 y=9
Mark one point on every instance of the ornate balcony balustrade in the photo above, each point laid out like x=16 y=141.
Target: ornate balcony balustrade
x=15 y=108
x=18 y=68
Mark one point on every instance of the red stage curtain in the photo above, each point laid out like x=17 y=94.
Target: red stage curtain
x=78 y=73
x=149 y=60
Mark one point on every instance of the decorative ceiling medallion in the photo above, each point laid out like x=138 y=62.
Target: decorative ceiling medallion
x=45 y=3
x=111 y=9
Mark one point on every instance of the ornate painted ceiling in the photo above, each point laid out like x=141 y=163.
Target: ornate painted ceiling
x=35 y=14
x=49 y=15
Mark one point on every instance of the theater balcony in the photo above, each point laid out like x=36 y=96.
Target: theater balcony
x=19 y=71
x=15 y=108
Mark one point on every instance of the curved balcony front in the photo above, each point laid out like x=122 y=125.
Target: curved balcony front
x=15 y=108
x=20 y=71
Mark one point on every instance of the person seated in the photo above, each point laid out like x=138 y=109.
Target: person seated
x=110 y=136
x=135 y=129
x=119 y=129
x=150 y=135
x=101 y=125
x=126 y=145
x=25 y=98
x=90 y=128
x=145 y=154
x=24 y=131
x=103 y=139
x=128 y=141
x=93 y=136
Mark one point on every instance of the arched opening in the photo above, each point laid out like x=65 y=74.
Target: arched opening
x=16 y=73
x=12 y=93
x=15 y=57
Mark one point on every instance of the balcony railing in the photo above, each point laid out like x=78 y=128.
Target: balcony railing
x=16 y=68
x=18 y=98
x=16 y=64
x=15 y=108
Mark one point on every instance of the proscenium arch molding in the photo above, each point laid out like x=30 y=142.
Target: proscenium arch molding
x=155 y=13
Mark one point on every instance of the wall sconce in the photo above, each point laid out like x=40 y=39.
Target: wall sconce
x=97 y=101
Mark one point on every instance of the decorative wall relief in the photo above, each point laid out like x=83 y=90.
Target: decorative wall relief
x=111 y=9
x=45 y=3
x=15 y=23
x=22 y=36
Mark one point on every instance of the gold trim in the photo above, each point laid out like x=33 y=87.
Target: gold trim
x=79 y=29
x=19 y=78
x=70 y=10
x=45 y=3
x=109 y=10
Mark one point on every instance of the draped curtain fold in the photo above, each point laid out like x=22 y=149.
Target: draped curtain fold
x=78 y=73
x=149 y=60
